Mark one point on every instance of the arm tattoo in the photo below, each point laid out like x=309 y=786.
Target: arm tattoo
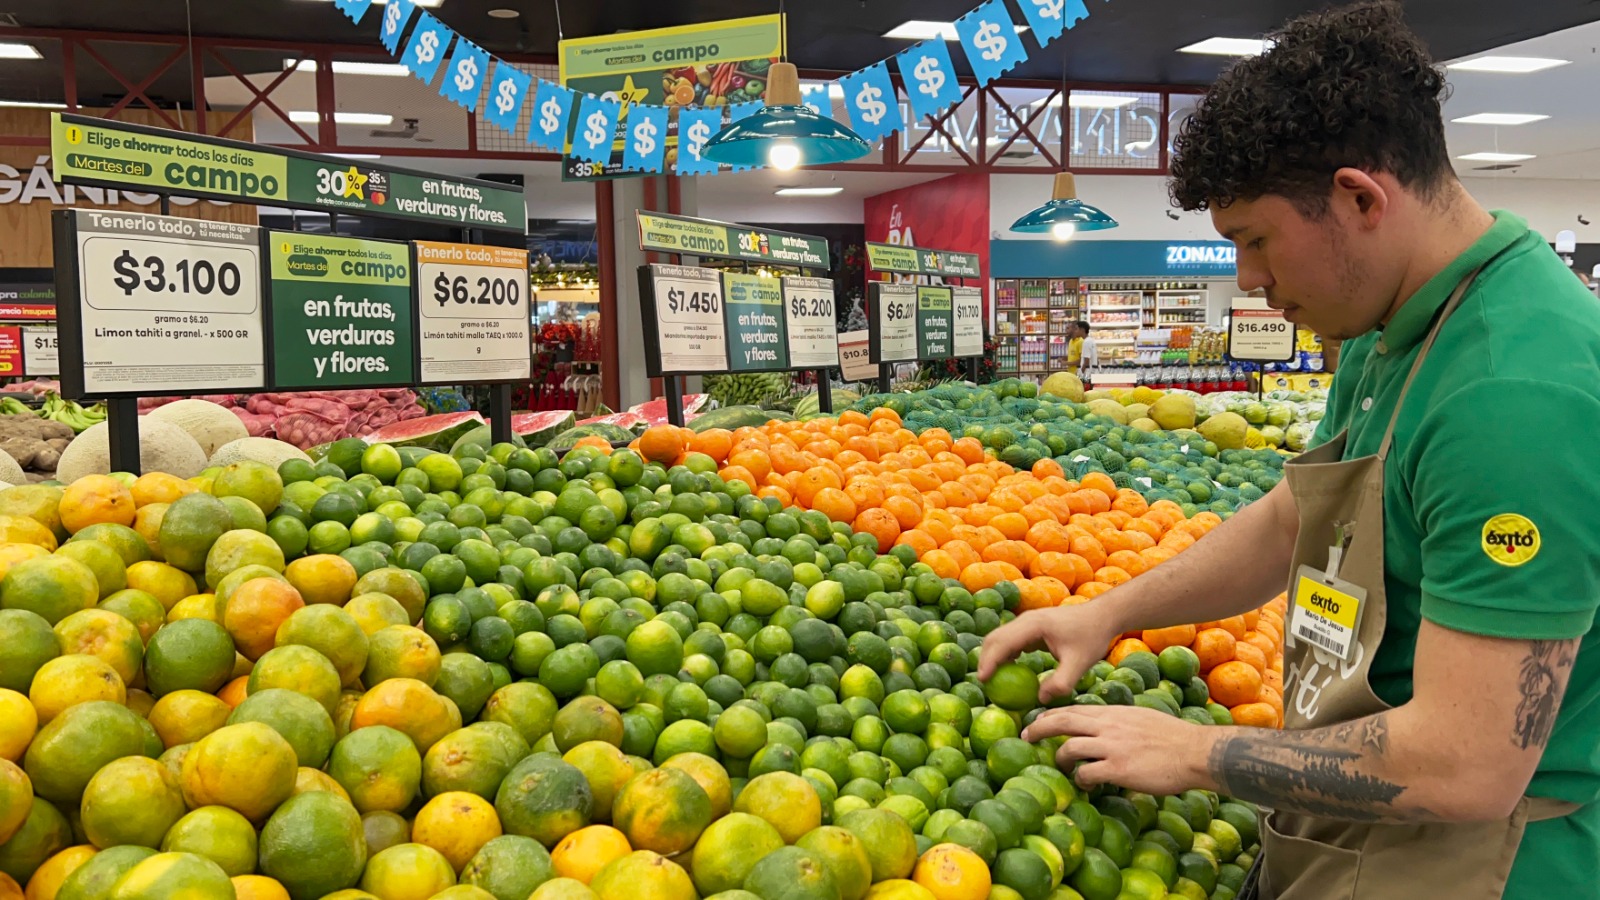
x=1318 y=772
x=1543 y=672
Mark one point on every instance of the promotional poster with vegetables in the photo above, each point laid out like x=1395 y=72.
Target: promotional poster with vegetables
x=713 y=64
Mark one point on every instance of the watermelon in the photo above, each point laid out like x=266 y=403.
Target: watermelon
x=810 y=404
x=538 y=427
x=731 y=417
x=438 y=432
x=654 y=412
x=568 y=439
x=620 y=420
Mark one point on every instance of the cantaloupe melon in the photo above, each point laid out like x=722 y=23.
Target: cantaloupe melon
x=163 y=447
x=10 y=472
x=262 y=450
x=209 y=424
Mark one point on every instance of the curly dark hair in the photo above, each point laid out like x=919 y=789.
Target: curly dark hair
x=1352 y=87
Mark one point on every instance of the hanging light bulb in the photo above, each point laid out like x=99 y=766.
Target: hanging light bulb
x=785 y=132
x=1064 y=209
x=784 y=156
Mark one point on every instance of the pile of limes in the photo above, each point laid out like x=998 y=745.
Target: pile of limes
x=395 y=673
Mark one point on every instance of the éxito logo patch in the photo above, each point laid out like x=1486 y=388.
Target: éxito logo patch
x=1510 y=539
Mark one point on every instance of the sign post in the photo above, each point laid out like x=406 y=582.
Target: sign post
x=704 y=321
x=1258 y=333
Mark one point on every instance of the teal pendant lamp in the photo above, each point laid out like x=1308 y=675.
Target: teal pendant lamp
x=784 y=133
x=1065 y=215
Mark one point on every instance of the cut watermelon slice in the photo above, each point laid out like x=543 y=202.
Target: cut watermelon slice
x=654 y=412
x=621 y=420
x=537 y=428
x=438 y=432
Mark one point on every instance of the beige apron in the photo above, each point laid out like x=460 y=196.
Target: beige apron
x=1311 y=858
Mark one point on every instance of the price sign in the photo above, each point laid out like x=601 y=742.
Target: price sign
x=473 y=305
x=342 y=312
x=39 y=352
x=855 y=356
x=894 y=322
x=757 y=340
x=966 y=321
x=161 y=304
x=813 y=330
x=1258 y=333
x=933 y=323
x=11 y=351
x=685 y=305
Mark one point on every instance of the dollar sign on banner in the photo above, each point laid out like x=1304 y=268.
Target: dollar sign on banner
x=595 y=133
x=127 y=272
x=549 y=115
x=990 y=41
x=930 y=78
x=644 y=137
x=1050 y=9
x=427 y=47
x=506 y=98
x=466 y=74
x=391 y=19
x=870 y=102
x=699 y=133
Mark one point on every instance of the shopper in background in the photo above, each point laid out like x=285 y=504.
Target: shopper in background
x=1088 y=350
x=1441 y=681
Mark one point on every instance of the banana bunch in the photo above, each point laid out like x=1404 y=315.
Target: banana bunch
x=69 y=413
x=11 y=406
x=746 y=388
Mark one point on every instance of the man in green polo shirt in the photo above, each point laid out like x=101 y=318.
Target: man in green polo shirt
x=1438 y=544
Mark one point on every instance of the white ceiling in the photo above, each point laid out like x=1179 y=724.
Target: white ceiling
x=1567 y=144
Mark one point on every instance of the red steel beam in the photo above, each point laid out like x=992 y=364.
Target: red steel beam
x=606 y=237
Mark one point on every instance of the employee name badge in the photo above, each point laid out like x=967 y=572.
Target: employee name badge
x=1326 y=612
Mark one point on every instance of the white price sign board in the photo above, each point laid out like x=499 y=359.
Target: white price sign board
x=39 y=352
x=472 y=304
x=813 y=331
x=691 y=335
x=855 y=356
x=162 y=304
x=1258 y=333
x=966 y=321
x=895 y=315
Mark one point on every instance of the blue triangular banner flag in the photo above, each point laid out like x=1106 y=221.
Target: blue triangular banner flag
x=597 y=128
x=395 y=18
x=990 y=40
x=645 y=147
x=463 y=80
x=552 y=110
x=696 y=125
x=1049 y=18
x=743 y=111
x=354 y=10
x=429 y=42
x=930 y=78
x=870 y=98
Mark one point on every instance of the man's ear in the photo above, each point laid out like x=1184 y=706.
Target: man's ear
x=1359 y=196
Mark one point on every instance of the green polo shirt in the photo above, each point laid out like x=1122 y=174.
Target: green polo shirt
x=1498 y=431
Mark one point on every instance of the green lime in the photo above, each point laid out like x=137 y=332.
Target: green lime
x=974 y=836
x=1001 y=819
x=1097 y=878
x=381 y=461
x=906 y=711
x=328 y=537
x=1024 y=872
x=1155 y=858
x=1178 y=664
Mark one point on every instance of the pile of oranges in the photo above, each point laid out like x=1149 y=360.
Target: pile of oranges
x=973 y=518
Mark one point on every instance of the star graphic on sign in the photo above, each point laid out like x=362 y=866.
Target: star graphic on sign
x=631 y=93
x=353 y=182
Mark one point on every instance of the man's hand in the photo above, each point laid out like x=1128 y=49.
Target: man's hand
x=1077 y=636
x=1129 y=746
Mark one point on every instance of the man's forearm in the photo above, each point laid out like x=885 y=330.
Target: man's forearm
x=1239 y=566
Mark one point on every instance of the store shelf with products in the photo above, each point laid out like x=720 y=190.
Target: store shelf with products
x=1033 y=317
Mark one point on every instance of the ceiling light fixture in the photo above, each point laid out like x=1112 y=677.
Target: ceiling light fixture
x=1065 y=215
x=349 y=67
x=356 y=155
x=1499 y=119
x=1509 y=65
x=784 y=133
x=503 y=13
x=14 y=50
x=31 y=104
x=310 y=117
x=1225 y=46
x=808 y=191
x=924 y=30
x=1496 y=157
